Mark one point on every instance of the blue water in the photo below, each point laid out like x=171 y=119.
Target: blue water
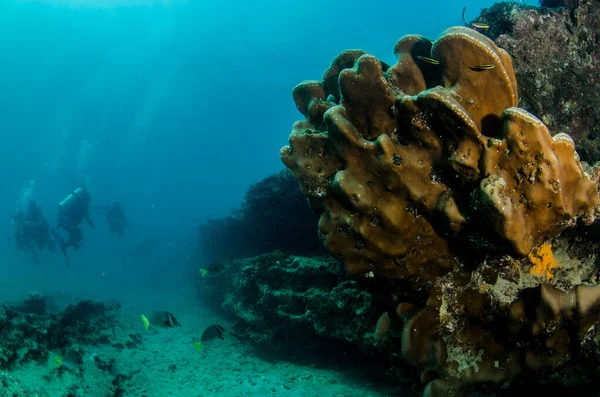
x=171 y=107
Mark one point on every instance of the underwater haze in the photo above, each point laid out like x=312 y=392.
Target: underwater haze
x=173 y=108
x=176 y=112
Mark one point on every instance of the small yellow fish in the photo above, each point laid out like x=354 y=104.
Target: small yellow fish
x=58 y=361
x=198 y=345
x=214 y=269
x=486 y=66
x=146 y=322
x=481 y=26
x=428 y=60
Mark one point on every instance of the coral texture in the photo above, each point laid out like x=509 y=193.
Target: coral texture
x=29 y=335
x=556 y=54
x=421 y=170
x=282 y=301
x=397 y=176
x=58 y=343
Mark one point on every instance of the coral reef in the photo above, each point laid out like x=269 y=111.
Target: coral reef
x=560 y=3
x=496 y=327
x=555 y=53
x=30 y=335
x=55 y=346
x=428 y=178
x=14 y=388
x=34 y=303
x=90 y=322
x=278 y=298
x=394 y=177
x=274 y=215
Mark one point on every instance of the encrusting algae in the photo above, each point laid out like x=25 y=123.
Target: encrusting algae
x=543 y=261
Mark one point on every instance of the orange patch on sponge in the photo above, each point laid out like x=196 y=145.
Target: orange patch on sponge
x=543 y=261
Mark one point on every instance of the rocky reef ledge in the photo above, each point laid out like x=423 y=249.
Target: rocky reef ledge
x=297 y=304
x=281 y=300
x=305 y=310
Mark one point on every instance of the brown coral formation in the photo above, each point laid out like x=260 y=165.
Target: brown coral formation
x=461 y=336
x=555 y=52
x=396 y=177
x=413 y=168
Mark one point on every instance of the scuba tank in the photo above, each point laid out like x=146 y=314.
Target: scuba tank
x=71 y=199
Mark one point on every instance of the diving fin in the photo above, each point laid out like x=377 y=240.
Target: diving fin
x=63 y=248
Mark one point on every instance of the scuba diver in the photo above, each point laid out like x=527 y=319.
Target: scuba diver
x=71 y=212
x=32 y=231
x=115 y=217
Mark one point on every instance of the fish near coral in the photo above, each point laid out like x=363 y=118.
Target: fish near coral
x=486 y=66
x=428 y=60
x=211 y=332
x=71 y=360
x=481 y=26
x=160 y=319
x=215 y=269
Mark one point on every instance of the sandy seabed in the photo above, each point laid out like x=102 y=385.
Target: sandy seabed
x=165 y=363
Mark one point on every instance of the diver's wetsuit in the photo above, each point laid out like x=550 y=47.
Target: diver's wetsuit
x=32 y=231
x=71 y=212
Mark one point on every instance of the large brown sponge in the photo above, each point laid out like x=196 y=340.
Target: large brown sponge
x=410 y=166
x=397 y=170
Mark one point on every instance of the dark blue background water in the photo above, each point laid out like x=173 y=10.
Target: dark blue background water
x=171 y=107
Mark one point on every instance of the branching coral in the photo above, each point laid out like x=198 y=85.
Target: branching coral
x=411 y=166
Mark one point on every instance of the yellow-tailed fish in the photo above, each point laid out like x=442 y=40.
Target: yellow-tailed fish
x=428 y=60
x=204 y=272
x=211 y=332
x=486 y=66
x=163 y=319
x=481 y=26
x=146 y=322
x=198 y=345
